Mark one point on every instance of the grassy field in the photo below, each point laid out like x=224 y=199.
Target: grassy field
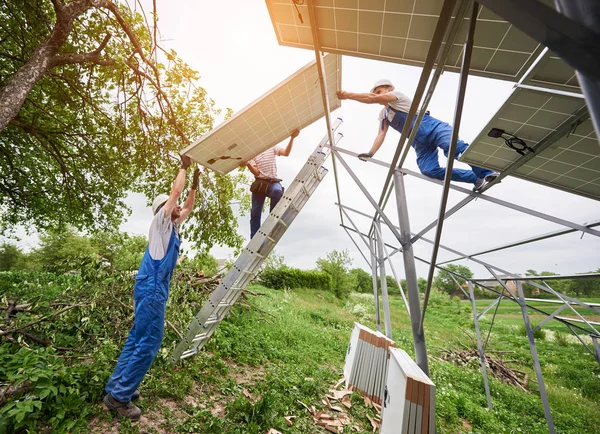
x=288 y=348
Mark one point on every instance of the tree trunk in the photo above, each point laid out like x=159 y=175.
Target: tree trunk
x=14 y=93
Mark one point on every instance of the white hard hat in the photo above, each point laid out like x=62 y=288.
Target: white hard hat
x=382 y=82
x=158 y=202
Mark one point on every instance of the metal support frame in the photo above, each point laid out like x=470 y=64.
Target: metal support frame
x=410 y=272
x=372 y=242
x=540 y=19
x=482 y=358
x=323 y=82
x=383 y=282
x=387 y=257
x=536 y=360
x=460 y=99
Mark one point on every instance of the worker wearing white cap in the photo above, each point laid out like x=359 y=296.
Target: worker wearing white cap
x=150 y=293
x=431 y=135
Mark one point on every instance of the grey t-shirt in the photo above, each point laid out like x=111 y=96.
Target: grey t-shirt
x=402 y=104
x=160 y=234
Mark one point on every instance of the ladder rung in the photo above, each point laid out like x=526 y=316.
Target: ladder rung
x=225 y=305
x=187 y=354
x=198 y=338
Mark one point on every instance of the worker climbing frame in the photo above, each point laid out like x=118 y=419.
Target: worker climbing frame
x=252 y=257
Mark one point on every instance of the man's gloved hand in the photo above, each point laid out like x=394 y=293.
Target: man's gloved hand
x=196 y=179
x=365 y=155
x=185 y=161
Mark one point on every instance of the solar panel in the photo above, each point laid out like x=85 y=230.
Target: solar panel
x=570 y=163
x=400 y=31
x=552 y=72
x=294 y=103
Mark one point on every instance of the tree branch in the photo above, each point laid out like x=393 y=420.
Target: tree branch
x=92 y=56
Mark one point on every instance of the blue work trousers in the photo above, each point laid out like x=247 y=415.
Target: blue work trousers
x=434 y=134
x=150 y=295
x=274 y=192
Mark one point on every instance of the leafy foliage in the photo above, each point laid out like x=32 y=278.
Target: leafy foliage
x=444 y=282
x=336 y=265
x=10 y=256
x=89 y=132
x=362 y=281
x=293 y=278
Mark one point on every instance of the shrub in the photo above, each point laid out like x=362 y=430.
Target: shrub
x=538 y=334
x=292 y=278
x=561 y=338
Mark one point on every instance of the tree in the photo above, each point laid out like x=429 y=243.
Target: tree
x=362 y=281
x=422 y=284
x=391 y=282
x=10 y=255
x=92 y=108
x=444 y=282
x=336 y=265
x=584 y=287
x=62 y=251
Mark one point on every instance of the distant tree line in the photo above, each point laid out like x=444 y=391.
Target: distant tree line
x=68 y=251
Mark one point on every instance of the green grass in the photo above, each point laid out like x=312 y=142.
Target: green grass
x=289 y=347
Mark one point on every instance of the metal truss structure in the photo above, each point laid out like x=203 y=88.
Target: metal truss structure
x=565 y=34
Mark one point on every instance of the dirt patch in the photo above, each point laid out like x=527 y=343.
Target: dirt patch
x=247 y=375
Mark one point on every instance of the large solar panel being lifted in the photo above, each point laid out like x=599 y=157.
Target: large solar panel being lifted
x=294 y=103
x=400 y=31
x=571 y=162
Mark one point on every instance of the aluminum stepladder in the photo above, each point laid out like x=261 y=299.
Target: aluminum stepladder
x=249 y=261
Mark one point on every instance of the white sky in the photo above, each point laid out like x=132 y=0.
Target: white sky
x=233 y=45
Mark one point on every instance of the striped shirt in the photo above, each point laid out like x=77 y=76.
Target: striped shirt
x=265 y=163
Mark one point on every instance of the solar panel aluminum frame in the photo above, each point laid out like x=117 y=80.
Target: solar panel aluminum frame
x=334 y=102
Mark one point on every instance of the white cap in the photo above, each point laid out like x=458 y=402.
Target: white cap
x=382 y=82
x=158 y=202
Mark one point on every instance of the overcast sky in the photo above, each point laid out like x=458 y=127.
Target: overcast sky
x=233 y=45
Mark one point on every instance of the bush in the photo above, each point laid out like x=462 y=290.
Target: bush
x=292 y=278
x=336 y=265
x=538 y=334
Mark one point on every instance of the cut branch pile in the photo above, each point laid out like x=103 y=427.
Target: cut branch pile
x=497 y=366
x=333 y=416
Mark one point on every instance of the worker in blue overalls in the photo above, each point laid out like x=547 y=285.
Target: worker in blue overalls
x=150 y=294
x=431 y=135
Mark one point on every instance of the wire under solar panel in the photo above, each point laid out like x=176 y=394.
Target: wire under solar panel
x=571 y=162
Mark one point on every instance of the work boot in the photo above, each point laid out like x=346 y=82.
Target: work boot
x=134 y=397
x=123 y=409
x=365 y=155
x=478 y=183
x=492 y=176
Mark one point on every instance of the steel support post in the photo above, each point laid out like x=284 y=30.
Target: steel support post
x=482 y=358
x=382 y=276
x=324 y=96
x=596 y=348
x=387 y=257
x=372 y=242
x=536 y=360
x=460 y=100
x=410 y=272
